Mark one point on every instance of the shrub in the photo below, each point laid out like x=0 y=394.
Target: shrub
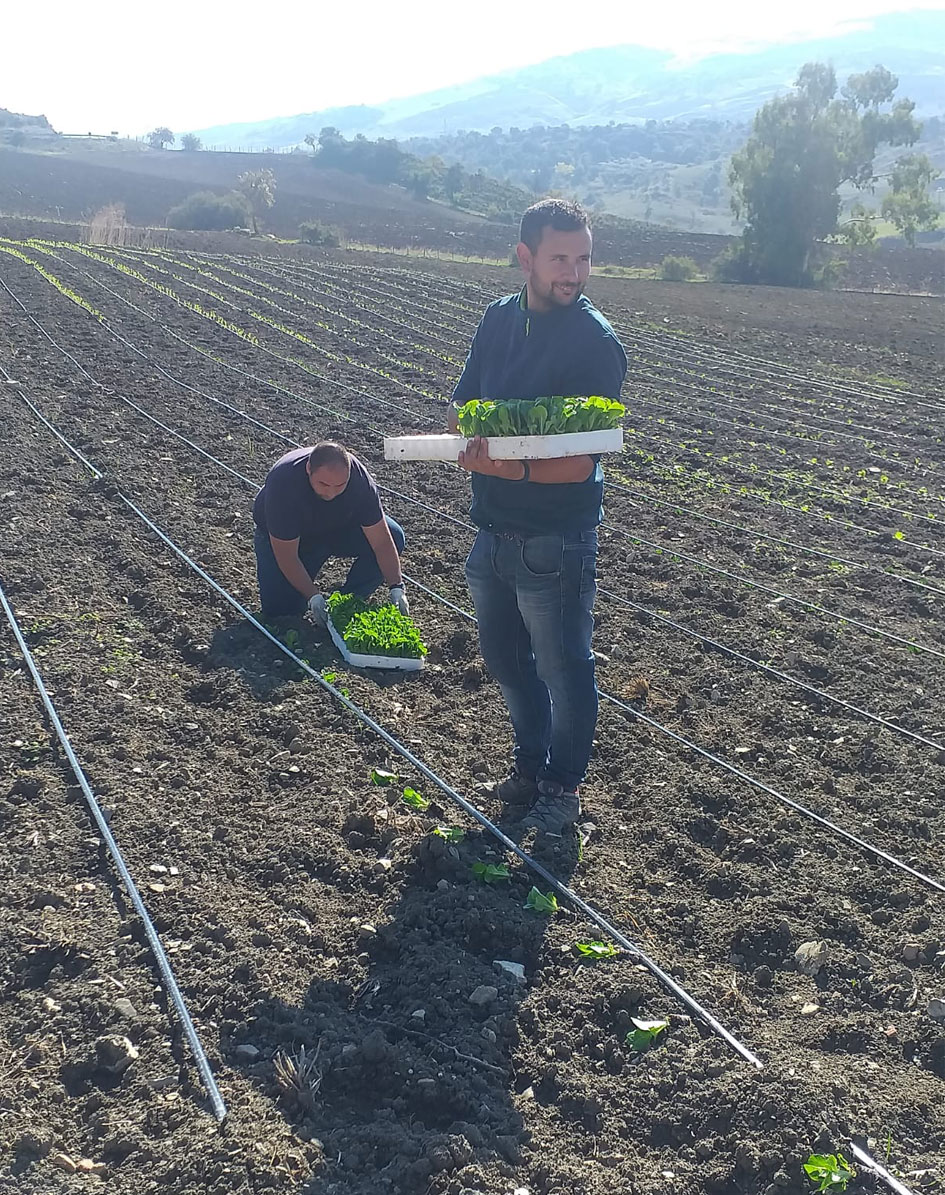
x=207 y=211
x=678 y=269
x=313 y=232
x=732 y=266
x=191 y=142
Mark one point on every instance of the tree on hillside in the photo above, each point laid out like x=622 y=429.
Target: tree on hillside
x=453 y=182
x=259 y=189
x=160 y=137
x=191 y=142
x=786 y=179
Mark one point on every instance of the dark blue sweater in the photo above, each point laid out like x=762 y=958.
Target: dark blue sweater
x=517 y=353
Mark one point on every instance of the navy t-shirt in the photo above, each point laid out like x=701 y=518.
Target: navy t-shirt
x=517 y=353
x=288 y=508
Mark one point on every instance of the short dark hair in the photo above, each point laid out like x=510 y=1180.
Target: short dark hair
x=560 y=214
x=328 y=452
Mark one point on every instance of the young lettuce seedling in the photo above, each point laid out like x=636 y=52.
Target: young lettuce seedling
x=491 y=873
x=382 y=778
x=644 y=1033
x=414 y=799
x=450 y=833
x=539 y=903
x=831 y=1171
x=592 y=951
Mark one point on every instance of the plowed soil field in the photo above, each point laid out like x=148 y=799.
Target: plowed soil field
x=772 y=567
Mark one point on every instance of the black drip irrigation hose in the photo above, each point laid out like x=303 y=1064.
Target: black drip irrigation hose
x=835 y=829
x=863 y=844
x=592 y=914
x=861 y=1155
x=777 y=539
x=389 y=490
x=154 y=941
x=784 y=597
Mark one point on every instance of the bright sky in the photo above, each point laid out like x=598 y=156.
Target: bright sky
x=129 y=67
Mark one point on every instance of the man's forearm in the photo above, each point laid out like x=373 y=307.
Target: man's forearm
x=388 y=561
x=296 y=574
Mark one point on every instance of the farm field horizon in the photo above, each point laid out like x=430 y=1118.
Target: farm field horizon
x=770 y=646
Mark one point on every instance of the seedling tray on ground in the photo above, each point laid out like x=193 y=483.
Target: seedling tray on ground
x=504 y=448
x=360 y=660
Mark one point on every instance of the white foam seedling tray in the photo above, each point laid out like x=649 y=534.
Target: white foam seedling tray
x=359 y=660
x=504 y=448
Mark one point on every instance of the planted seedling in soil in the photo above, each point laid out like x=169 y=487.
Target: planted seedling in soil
x=450 y=833
x=831 y=1172
x=491 y=873
x=592 y=952
x=539 y=903
x=382 y=778
x=414 y=799
x=644 y=1033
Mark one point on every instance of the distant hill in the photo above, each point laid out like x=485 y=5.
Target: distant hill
x=626 y=84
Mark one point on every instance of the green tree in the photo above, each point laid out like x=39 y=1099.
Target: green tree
x=191 y=142
x=160 y=137
x=258 y=187
x=908 y=205
x=804 y=146
x=453 y=182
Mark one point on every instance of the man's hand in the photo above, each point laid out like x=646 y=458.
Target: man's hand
x=318 y=608
x=399 y=599
x=476 y=459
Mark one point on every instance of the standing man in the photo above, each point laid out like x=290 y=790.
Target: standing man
x=532 y=569
x=316 y=503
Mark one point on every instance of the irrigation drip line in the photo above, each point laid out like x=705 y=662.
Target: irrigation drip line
x=740 y=362
x=863 y=844
x=820 y=694
x=164 y=966
x=299 y=398
x=784 y=597
x=195 y=348
x=791 y=417
x=878 y=1169
x=592 y=914
x=743 y=363
x=331 y=356
x=670 y=473
x=732 y=652
x=777 y=539
x=286 y=361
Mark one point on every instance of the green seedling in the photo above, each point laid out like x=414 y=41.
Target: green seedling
x=831 y=1172
x=592 y=951
x=331 y=677
x=382 y=778
x=491 y=873
x=414 y=799
x=450 y=833
x=539 y=903
x=291 y=640
x=644 y=1033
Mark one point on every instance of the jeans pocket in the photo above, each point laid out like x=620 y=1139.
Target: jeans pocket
x=542 y=555
x=479 y=560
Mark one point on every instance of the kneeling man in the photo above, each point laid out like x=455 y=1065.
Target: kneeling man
x=317 y=503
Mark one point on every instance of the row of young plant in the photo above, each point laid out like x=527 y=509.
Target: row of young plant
x=844 y=493
x=243 y=334
x=292 y=331
x=227 y=323
x=328 y=317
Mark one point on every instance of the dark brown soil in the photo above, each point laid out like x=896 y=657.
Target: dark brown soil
x=304 y=906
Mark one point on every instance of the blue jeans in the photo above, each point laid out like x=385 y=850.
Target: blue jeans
x=534 y=597
x=277 y=596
